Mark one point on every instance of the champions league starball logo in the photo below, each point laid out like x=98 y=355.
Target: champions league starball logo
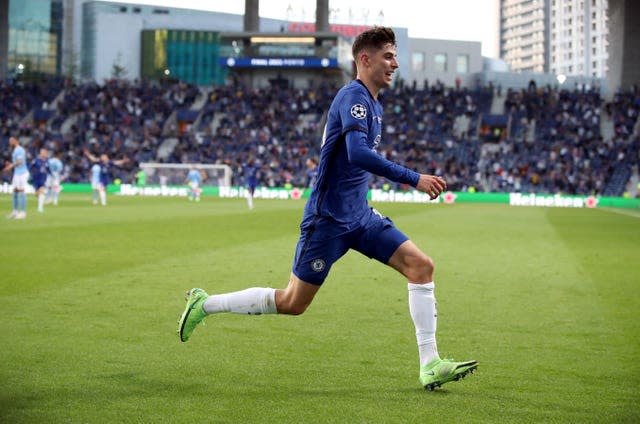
x=358 y=111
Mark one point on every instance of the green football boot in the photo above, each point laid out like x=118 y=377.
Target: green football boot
x=193 y=313
x=440 y=371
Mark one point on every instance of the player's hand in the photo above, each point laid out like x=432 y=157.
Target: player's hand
x=432 y=185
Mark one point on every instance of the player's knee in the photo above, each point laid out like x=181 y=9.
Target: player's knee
x=421 y=269
x=292 y=308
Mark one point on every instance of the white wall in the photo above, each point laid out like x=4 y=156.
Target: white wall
x=452 y=48
x=117 y=37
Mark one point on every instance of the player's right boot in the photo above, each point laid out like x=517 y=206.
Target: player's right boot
x=440 y=371
x=193 y=313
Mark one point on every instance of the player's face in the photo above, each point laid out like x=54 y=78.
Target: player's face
x=383 y=64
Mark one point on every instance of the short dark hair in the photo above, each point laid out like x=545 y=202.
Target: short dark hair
x=375 y=38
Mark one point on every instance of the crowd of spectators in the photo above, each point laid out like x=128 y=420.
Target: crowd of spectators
x=567 y=153
x=554 y=142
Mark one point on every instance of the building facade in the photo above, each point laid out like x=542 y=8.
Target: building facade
x=566 y=37
x=524 y=34
x=579 y=33
x=34 y=37
x=448 y=61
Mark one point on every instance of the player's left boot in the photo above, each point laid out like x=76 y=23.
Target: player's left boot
x=440 y=371
x=193 y=313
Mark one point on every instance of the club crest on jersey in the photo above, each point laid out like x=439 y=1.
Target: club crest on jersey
x=358 y=111
x=318 y=265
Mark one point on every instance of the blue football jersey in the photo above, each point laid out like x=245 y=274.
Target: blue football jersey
x=348 y=157
x=194 y=177
x=251 y=175
x=39 y=171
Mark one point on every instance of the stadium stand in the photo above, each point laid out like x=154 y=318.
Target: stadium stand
x=543 y=141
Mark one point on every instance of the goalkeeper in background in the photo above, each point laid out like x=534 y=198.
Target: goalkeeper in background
x=337 y=218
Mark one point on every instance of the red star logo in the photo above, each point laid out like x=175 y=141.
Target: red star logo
x=449 y=197
x=591 y=202
x=296 y=193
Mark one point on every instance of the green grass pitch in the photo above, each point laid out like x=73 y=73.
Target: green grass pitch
x=546 y=299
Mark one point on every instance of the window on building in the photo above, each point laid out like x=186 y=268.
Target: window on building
x=462 y=63
x=417 y=61
x=440 y=62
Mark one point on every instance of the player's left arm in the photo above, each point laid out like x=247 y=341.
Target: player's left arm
x=361 y=155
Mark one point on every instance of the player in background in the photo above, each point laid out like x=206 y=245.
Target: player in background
x=250 y=172
x=194 y=179
x=337 y=217
x=101 y=174
x=55 y=176
x=141 y=178
x=312 y=172
x=39 y=175
x=96 y=186
x=20 y=179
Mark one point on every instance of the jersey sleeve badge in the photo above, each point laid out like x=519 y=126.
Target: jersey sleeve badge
x=359 y=111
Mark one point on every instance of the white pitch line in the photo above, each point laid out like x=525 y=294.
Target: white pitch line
x=628 y=212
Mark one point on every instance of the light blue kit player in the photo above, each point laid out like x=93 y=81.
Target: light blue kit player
x=53 y=182
x=337 y=217
x=96 y=185
x=194 y=179
x=20 y=179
